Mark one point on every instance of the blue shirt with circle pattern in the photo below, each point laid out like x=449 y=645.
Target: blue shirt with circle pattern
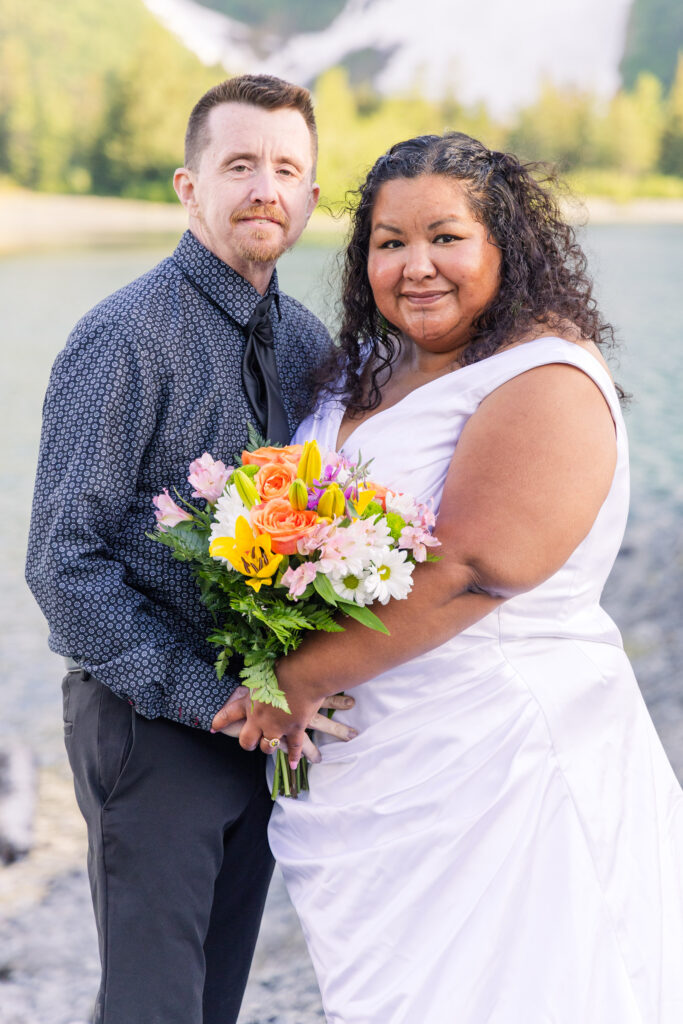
x=149 y=380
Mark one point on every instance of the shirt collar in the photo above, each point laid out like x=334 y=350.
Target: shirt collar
x=219 y=282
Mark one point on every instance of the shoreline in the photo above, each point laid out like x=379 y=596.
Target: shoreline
x=31 y=221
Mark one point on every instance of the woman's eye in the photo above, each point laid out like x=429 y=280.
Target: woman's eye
x=391 y=243
x=445 y=239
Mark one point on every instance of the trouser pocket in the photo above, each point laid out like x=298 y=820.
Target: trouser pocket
x=66 y=693
x=99 y=732
x=116 y=739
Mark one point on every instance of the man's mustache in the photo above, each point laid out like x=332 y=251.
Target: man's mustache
x=264 y=212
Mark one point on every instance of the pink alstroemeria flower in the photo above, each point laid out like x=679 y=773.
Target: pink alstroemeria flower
x=427 y=517
x=417 y=540
x=298 y=579
x=314 y=540
x=208 y=477
x=168 y=514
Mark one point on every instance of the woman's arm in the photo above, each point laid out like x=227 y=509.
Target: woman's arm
x=529 y=474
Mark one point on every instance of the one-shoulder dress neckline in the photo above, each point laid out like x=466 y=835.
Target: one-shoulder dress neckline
x=480 y=364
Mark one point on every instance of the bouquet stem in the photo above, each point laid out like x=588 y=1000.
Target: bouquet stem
x=288 y=781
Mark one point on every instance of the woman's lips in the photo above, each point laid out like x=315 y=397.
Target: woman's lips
x=422 y=298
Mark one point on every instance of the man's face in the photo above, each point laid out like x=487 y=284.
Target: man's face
x=252 y=192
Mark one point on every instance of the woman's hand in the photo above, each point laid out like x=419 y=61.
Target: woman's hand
x=257 y=724
x=265 y=723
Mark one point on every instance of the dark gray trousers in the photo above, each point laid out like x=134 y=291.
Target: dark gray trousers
x=178 y=858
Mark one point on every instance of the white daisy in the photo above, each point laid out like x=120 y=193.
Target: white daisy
x=351 y=587
x=226 y=513
x=390 y=577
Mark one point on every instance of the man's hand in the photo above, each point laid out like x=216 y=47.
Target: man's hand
x=232 y=717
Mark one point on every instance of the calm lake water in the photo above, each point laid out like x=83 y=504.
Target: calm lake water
x=637 y=273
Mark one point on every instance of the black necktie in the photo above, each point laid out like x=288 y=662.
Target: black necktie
x=259 y=374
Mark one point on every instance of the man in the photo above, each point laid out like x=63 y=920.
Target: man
x=173 y=365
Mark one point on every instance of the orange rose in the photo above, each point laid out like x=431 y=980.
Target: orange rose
x=290 y=453
x=284 y=524
x=273 y=480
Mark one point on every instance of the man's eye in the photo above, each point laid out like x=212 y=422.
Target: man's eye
x=286 y=171
x=239 y=168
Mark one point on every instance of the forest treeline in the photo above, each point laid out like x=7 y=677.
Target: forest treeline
x=94 y=98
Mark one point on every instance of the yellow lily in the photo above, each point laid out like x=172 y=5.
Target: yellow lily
x=365 y=496
x=249 y=554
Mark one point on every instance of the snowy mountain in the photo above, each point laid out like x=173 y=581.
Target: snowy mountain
x=496 y=51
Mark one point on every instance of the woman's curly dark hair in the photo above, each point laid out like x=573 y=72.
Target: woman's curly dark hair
x=543 y=274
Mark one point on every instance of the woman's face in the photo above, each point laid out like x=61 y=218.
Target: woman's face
x=431 y=266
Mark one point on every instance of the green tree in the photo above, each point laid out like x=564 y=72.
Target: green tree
x=475 y=121
x=356 y=128
x=139 y=141
x=671 y=159
x=561 y=127
x=341 y=160
x=633 y=127
x=91 y=83
x=654 y=36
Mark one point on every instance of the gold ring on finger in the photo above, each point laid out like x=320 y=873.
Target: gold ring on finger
x=273 y=743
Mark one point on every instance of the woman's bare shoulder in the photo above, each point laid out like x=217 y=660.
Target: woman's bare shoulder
x=565 y=329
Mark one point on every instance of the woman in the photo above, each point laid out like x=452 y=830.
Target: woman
x=502 y=842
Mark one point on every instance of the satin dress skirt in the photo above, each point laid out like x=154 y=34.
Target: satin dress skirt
x=501 y=843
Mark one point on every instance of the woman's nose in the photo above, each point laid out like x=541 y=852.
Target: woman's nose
x=418 y=263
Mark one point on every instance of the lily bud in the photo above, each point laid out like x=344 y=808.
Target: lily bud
x=311 y=463
x=246 y=489
x=298 y=495
x=332 y=502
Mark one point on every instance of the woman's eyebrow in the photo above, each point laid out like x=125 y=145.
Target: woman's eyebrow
x=430 y=227
x=444 y=220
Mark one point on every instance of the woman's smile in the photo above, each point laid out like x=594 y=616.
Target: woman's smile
x=423 y=298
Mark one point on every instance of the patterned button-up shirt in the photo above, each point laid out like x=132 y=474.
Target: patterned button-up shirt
x=149 y=380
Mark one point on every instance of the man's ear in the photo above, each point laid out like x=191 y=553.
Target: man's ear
x=313 y=200
x=183 y=183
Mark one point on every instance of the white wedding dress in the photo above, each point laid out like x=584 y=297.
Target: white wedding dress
x=503 y=842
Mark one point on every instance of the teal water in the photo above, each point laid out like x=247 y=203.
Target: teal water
x=637 y=273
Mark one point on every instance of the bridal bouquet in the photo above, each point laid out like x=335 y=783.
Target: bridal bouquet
x=288 y=539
